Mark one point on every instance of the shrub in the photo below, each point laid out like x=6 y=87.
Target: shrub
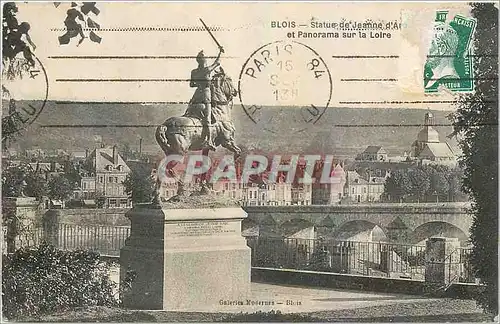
x=272 y=316
x=46 y=280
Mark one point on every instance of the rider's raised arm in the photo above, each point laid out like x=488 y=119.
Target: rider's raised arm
x=217 y=61
x=80 y=16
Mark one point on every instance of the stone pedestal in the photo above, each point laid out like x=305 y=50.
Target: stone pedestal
x=442 y=260
x=185 y=258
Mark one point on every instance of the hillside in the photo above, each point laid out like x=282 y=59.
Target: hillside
x=341 y=131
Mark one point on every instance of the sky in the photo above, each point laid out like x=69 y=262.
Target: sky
x=391 y=68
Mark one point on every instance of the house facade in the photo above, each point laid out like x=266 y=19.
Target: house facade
x=358 y=189
x=330 y=193
x=105 y=172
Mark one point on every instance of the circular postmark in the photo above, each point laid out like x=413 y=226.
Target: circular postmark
x=285 y=85
x=25 y=89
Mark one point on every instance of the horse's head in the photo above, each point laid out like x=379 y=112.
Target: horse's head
x=226 y=84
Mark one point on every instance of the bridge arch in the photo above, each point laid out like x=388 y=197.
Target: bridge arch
x=360 y=230
x=437 y=228
x=297 y=228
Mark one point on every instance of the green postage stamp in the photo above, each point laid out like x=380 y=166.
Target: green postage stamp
x=449 y=62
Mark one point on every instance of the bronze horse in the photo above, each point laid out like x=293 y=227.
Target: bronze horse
x=181 y=134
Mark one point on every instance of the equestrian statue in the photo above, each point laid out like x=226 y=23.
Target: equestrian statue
x=207 y=123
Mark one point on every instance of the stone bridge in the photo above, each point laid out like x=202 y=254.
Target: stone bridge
x=408 y=223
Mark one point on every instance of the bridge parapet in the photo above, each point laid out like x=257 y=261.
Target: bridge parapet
x=387 y=216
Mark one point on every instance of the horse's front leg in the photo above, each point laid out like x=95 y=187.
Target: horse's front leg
x=204 y=178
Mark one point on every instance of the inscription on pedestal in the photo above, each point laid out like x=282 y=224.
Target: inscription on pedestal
x=207 y=228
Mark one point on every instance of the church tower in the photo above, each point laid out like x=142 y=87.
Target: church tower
x=427 y=135
x=429 y=119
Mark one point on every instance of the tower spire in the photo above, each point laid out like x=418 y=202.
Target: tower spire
x=429 y=118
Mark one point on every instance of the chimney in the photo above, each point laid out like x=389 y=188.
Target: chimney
x=115 y=155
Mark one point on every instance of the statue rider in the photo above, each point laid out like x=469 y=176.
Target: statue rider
x=201 y=78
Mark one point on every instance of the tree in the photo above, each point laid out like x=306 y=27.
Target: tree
x=455 y=193
x=439 y=183
x=72 y=173
x=398 y=185
x=36 y=186
x=20 y=179
x=59 y=188
x=420 y=183
x=139 y=184
x=476 y=123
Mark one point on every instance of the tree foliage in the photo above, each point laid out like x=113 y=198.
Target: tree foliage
x=59 y=187
x=425 y=183
x=139 y=185
x=20 y=179
x=476 y=123
x=47 y=280
x=72 y=173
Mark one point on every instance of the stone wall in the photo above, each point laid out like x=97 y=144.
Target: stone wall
x=89 y=216
x=365 y=283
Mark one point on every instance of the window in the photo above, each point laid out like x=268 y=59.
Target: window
x=124 y=201
x=352 y=189
x=119 y=168
x=116 y=179
x=110 y=179
x=364 y=189
x=234 y=186
x=84 y=185
x=226 y=186
x=112 y=202
x=101 y=179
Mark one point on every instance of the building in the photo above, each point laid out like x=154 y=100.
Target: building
x=79 y=155
x=105 y=172
x=428 y=148
x=168 y=189
x=47 y=169
x=302 y=194
x=225 y=187
x=330 y=193
x=260 y=192
x=373 y=153
x=358 y=190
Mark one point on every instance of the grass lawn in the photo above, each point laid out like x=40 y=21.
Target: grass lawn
x=443 y=310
